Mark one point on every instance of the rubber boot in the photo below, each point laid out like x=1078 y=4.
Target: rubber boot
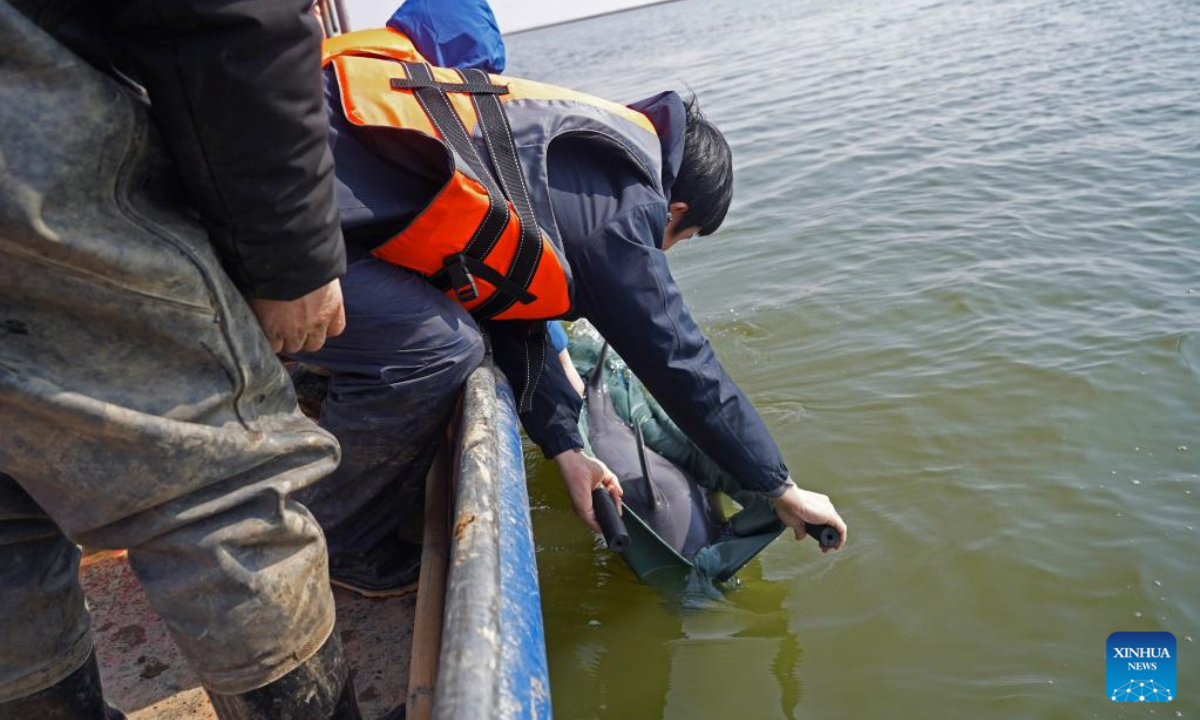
x=319 y=689
x=390 y=569
x=78 y=696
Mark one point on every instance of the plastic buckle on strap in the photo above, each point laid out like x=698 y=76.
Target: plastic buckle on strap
x=461 y=279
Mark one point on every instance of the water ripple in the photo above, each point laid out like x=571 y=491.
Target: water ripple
x=960 y=279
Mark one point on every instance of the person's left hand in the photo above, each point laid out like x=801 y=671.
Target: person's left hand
x=582 y=474
x=304 y=323
x=799 y=508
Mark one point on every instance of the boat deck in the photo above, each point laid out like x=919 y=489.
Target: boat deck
x=145 y=676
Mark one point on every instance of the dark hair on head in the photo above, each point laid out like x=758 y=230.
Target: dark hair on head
x=705 y=179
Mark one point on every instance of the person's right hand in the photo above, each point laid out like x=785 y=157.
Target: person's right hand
x=304 y=323
x=582 y=474
x=798 y=508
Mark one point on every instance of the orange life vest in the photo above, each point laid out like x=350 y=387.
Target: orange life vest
x=488 y=237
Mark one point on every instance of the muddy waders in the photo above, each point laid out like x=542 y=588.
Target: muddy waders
x=141 y=408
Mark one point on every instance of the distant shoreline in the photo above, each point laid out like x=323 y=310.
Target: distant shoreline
x=590 y=17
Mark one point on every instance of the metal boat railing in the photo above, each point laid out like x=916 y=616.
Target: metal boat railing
x=493 y=652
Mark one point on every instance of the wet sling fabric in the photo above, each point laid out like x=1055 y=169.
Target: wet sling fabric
x=681 y=538
x=488 y=237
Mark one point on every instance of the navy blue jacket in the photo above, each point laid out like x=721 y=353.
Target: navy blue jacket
x=612 y=228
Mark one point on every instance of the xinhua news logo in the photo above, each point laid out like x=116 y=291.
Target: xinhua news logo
x=1141 y=667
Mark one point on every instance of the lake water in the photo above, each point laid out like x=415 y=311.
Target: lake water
x=961 y=282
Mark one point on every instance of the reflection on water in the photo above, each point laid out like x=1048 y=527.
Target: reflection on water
x=634 y=653
x=961 y=281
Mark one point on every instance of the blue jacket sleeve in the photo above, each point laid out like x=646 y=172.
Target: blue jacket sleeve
x=558 y=336
x=552 y=420
x=626 y=290
x=459 y=34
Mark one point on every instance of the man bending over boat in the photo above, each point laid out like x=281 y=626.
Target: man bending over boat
x=471 y=199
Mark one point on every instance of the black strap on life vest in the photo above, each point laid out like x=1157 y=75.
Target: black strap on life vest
x=498 y=136
x=506 y=185
x=450 y=279
x=475 y=88
x=441 y=113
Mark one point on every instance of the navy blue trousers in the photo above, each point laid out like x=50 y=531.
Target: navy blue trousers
x=395 y=375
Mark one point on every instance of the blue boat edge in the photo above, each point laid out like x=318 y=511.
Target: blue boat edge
x=493 y=652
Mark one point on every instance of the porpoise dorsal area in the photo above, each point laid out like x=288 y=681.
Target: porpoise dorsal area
x=669 y=501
